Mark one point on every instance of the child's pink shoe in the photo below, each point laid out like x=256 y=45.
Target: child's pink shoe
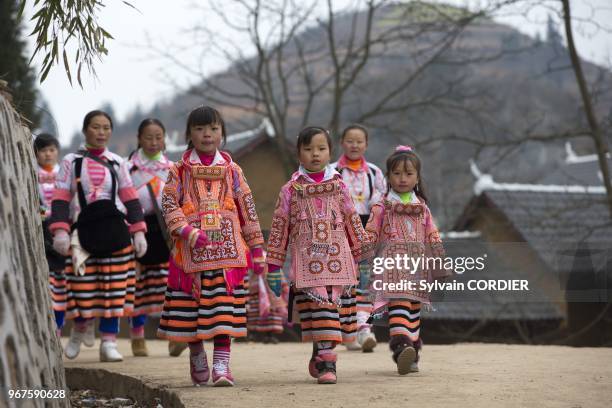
x=222 y=375
x=199 y=368
x=326 y=367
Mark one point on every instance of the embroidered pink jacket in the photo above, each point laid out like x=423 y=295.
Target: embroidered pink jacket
x=46 y=187
x=358 y=183
x=399 y=229
x=144 y=171
x=186 y=188
x=97 y=185
x=317 y=217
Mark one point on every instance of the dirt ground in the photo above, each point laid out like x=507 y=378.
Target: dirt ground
x=474 y=375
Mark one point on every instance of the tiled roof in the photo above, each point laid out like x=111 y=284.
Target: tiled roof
x=490 y=305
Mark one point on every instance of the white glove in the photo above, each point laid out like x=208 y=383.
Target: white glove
x=140 y=244
x=61 y=242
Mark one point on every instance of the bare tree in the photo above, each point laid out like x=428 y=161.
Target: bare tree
x=293 y=63
x=601 y=144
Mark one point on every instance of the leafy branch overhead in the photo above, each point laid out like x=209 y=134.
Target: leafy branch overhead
x=61 y=23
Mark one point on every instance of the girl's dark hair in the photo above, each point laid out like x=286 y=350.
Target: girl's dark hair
x=45 y=140
x=401 y=158
x=92 y=115
x=306 y=135
x=147 y=122
x=150 y=121
x=202 y=116
x=355 y=126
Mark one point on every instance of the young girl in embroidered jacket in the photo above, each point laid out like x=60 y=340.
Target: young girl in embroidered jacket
x=366 y=184
x=401 y=223
x=149 y=169
x=316 y=219
x=46 y=148
x=210 y=213
x=100 y=270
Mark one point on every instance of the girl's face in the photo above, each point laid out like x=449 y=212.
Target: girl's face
x=354 y=144
x=206 y=138
x=47 y=156
x=98 y=132
x=151 y=139
x=315 y=156
x=404 y=177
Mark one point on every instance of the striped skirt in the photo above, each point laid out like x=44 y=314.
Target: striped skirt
x=273 y=323
x=326 y=321
x=405 y=319
x=150 y=288
x=59 y=290
x=106 y=289
x=216 y=313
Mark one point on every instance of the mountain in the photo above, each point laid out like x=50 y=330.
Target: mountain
x=514 y=85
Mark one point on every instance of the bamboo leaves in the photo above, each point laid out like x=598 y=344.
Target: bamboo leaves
x=68 y=27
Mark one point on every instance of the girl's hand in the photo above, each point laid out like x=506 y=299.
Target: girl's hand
x=140 y=244
x=61 y=242
x=259 y=261
x=196 y=238
x=259 y=268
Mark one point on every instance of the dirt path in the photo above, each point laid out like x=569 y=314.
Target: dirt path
x=474 y=375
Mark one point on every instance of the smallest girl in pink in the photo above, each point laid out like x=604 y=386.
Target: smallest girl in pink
x=401 y=224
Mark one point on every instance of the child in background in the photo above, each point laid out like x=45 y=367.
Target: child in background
x=366 y=185
x=46 y=148
x=316 y=219
x=401 y=223
x=210 y=213
x=149 y=169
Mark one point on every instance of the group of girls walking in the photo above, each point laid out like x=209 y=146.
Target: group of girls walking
x=329 y=218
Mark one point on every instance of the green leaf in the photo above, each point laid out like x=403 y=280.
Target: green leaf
x=79 y=75
x=67 y=67
x=21 y=7
x=45 y=72
x=106 y=34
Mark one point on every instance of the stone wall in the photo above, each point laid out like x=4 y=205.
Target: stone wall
x=30 y=352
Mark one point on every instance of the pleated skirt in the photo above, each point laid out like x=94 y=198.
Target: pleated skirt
x=150 y=293
x=106 y=289
x=216 y=313
x=326 y=321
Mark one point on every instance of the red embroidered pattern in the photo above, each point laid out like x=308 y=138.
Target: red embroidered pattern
x=249 y=207
x=208 y=172
x=276 y=233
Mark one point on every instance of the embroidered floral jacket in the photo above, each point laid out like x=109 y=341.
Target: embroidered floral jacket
x=97 y=185
x=190 y=186
x=46 y=186
x=317 y=223
x=147 y=171
x=403 y=229
x=366 y=186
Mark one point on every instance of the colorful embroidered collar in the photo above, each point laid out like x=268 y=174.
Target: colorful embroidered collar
x=330 y=173
x=354 y=165
x=404 y=198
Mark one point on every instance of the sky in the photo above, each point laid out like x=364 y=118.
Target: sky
x=132 y=75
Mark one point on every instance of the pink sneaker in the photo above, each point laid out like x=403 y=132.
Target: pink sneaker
x=326 y=367
x=198 y=366
x=222 y=375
